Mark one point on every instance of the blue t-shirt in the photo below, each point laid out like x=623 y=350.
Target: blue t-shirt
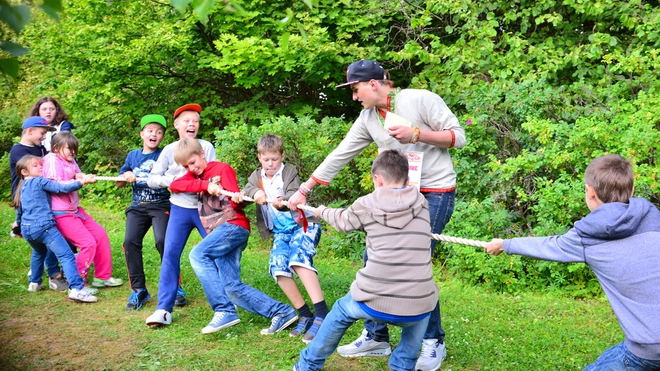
x=17 y=152
x=141 y=164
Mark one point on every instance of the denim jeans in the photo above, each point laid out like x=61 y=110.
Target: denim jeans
x=619 y=358
x=344 y=313
x=182 y=222
x=441 y=207
x=217 y=262
x=44 y=237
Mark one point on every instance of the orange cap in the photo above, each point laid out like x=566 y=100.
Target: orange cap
x=188 y=107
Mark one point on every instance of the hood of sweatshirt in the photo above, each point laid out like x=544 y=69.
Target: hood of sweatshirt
x=394 y=208
x=617 y=220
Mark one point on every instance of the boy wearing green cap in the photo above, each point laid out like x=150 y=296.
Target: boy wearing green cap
x=150 y=206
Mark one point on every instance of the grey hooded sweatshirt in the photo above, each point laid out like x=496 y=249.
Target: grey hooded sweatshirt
x=398 y=276
x=621 y=243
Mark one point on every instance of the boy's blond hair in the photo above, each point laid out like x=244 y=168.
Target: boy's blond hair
x=185 y=149
x=270 y=143
x=611 y=177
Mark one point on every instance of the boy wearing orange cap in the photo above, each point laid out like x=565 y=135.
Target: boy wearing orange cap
x=184 y=216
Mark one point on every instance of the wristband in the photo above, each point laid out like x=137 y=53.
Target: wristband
x=304 y=189
x=415 y=135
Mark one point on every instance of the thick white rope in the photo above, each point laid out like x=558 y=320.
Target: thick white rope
x=439 y=237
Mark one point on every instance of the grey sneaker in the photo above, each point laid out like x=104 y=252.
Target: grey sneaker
x=432 y=355
x=280 y=322
x=34 y=287
x=365 y=345
x=58 y=282
x=110 y=282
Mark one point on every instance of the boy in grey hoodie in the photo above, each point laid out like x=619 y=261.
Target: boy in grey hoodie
x=620 y=241
x=396 y=285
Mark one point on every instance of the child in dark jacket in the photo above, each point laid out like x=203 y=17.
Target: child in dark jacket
x=619 y=241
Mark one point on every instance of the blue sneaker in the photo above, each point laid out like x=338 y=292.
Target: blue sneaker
x=180 y=299
x=137 y=299
x=303 y=325
x=311 y=333
x=280 y=322
x=220 y=321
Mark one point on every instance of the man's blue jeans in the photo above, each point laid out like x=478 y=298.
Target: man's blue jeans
x=45 y=237
x=217 y=262
x=344 y=313
x=619 y=358
x=441 y=207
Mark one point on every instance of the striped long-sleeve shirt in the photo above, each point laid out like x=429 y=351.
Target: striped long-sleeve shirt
x=398 y=276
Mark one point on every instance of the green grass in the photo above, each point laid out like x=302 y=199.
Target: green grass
x=485 y=330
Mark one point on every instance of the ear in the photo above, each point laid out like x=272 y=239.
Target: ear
x=201 y=153
x=24 y=172
x=632 y=192
x=283 y=156
x=591 y=193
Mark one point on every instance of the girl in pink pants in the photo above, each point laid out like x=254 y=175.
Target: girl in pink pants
x=77 y=227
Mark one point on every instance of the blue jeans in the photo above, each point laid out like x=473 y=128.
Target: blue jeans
x=217 y=262
x=619 y=358
x=441 y=207
x=44 y=237
x=182 y=222
x=344 y=313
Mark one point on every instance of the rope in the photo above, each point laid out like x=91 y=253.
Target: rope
x=118 y=178
x=458 y=240
x=439 y=237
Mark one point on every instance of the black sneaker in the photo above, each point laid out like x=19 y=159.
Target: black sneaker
x=137 y=299
x=58 y=282
x=180 y=299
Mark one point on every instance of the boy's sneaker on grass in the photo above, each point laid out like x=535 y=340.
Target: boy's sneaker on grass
x=365 y=345
x=58 y=282
x=137 y=299
x=280 y=322
x=311 y=333
x=180 y=299
x=160 y=317
x=82 y=296
x=432 y=355
x=34 y=287
x=221 y=320
x=110 y=282
x=303 y=325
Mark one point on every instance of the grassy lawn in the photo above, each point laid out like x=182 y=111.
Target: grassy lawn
x=485 y=330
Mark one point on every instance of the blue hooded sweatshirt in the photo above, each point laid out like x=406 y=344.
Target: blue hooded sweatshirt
x=621 y=243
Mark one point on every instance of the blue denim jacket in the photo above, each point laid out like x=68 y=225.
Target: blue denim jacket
x=35 y=206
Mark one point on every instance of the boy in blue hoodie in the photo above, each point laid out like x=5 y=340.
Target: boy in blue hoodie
x=619 y=241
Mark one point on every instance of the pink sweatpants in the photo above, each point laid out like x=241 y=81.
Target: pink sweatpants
x=92 y=242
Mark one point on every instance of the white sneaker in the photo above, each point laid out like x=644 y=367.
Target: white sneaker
x=34 y=287
x=432 y=355
x=82 y=296
x=90 y=290
x=365 y=346
x=160 y=317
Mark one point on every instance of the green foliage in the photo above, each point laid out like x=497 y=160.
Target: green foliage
x=306 y=144
x=545 y=85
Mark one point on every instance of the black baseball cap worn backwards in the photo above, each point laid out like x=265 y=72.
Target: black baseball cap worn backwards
x=364 y=70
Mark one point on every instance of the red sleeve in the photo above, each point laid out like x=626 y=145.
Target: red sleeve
x=229 y=183
x=188 y=183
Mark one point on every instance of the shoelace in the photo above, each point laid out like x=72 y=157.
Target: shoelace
x=428 y=350
x=133 y=299
x=218 y=318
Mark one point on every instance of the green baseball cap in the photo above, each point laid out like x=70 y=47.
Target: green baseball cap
x=152 y=119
